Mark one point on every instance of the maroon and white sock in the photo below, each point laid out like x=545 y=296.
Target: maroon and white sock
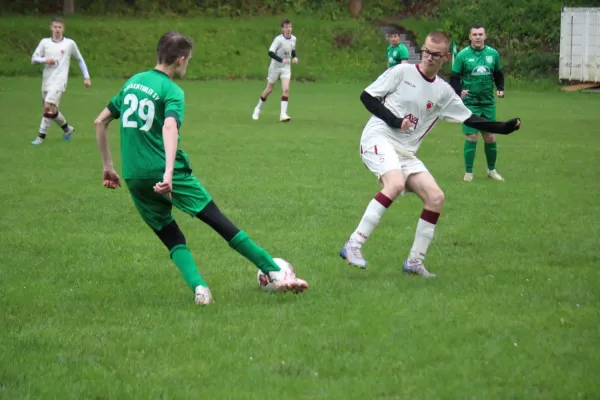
x=371 y=218
x=284 y=104
x=261 y=101
x=424 y=234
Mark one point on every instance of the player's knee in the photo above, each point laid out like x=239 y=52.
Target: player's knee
x=213 y=217
x=489 y=137
x=392 y=188
x=50 y=114
x=435 y=199
x=472 y=137
x=171 y=235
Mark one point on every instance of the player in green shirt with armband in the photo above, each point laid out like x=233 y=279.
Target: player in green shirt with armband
x=476 y=69
x=397 y=53
x=150 y=107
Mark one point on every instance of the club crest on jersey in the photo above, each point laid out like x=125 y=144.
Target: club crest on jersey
x=489 y=59
x=413 y=120
x=429 y=105
x=62 y=52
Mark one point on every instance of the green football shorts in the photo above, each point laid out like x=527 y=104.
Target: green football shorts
x=188 y=195
x=487 y=112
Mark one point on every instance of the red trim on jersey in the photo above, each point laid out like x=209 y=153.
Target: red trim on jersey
x=375 y=149
x=423 y=75
x=428 y=129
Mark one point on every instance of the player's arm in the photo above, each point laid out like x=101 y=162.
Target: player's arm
x=372 y=95
x=101 y=126
x=81 y=62
x=39 y=56
x=455 y=80
x=174 y=106
x=273 y=49
x=455 y=111
x=498 y=75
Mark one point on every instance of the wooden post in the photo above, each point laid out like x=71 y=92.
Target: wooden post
x=69 y=7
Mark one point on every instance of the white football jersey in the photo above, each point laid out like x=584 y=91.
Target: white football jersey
x=57 y=75
x=409 y=94
x=283 y=47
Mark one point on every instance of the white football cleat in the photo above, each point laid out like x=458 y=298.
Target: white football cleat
x=38 y=140
x=415 y=266
x=203 y=296
x=67 y=135
x=468 y=177
x=285 y=118
x=352 y=253
x=284 y=281
x=493 y=174
x=256 y=114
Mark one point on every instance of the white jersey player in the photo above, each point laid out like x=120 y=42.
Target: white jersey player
x=282 y=53
x=56 y=53
x=406 y=102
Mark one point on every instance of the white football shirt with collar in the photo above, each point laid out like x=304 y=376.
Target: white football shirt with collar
x=283 y=48
x=55 y=77
x=407 y=93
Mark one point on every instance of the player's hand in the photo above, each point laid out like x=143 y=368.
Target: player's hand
x=464 y=94
x=286 y=61
x=295 y=60
x=406 y=124
x=111 y=179
x=50 y=61
x=166 y=185
x=87 y=83
x=500 y=93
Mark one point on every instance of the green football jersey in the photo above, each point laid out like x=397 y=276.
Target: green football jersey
x=143 y=104
x=396 y=54
x=476 y=69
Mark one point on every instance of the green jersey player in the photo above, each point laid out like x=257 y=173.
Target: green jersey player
x=475 y=70
x=158 y=174
x=397 y=53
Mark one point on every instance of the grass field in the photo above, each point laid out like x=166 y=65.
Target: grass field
x=92 y=307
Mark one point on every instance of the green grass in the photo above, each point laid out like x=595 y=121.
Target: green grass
x=223 y=48
x=92 y=307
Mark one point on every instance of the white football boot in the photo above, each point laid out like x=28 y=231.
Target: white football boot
x=284 y=282
x=468 y=177
x=285 y=118
x=414 y=266
x=38 y=140
x=203 y=296
x=352 y=253
x=256 y=114
x=493 y=174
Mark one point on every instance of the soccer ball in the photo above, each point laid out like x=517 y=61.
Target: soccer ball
x=263 y=280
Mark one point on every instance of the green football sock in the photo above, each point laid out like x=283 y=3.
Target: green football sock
x=491 y=152
x=182 y=257
x=253 y=252
x=470 y=148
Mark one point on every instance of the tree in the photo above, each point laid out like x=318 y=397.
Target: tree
x=354 y=7
x=69 y=7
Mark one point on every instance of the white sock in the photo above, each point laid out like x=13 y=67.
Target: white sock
x=261 y=101
x=423 y=235
x=60 y=120
x=370 y=218
x=44 y=125
x=284 y=104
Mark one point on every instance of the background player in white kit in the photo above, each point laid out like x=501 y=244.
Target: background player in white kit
x=56 y=53
x=282 y=53
x=414 y=99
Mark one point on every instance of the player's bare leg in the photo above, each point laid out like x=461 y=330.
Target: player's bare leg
x=424 y=185
x=393 y=186
x=51 y=113
x=491 y=152
x=263 y=97
x=469 y=151
x=285 y=92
